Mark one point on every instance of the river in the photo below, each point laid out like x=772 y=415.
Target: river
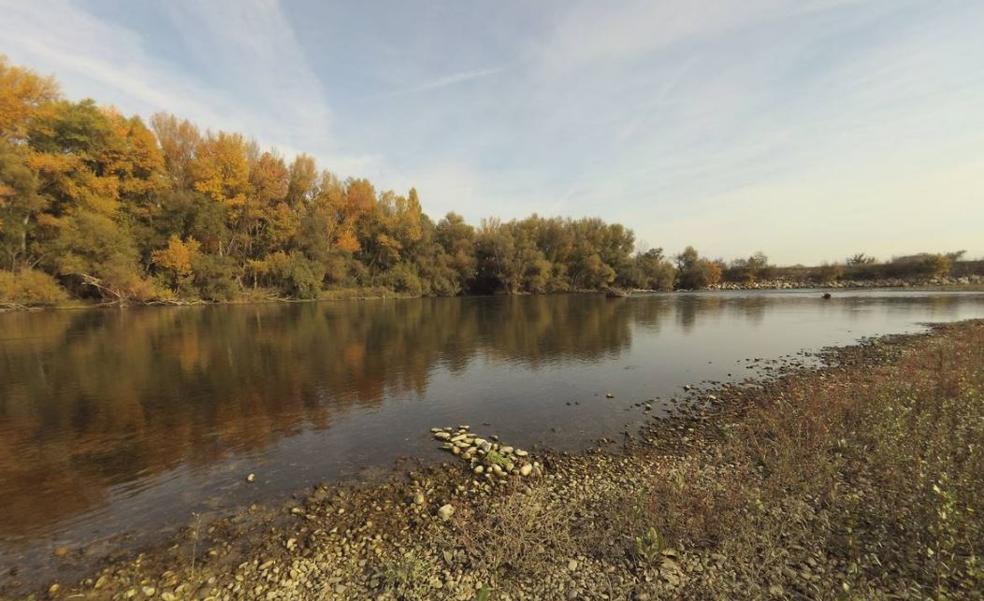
x=117 y=424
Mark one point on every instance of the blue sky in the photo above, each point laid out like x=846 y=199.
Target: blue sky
x=809 y=130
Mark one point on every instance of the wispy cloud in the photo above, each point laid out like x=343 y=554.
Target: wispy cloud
x=277 y=97
x=443 y=82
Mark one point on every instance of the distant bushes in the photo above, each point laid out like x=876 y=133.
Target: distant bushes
x=752 y=269
x=861 y=267
x=29 y=288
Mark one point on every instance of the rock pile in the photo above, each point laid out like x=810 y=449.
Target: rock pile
x=488 y=459
x=782 y=284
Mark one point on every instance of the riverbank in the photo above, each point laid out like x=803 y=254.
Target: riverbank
x=968 y=284
x=862 y=479
x=337 y=294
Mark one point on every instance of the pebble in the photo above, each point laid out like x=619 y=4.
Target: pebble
x=445 y=512
x=251 y=478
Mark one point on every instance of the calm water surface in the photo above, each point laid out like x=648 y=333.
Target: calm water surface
x=127 y=421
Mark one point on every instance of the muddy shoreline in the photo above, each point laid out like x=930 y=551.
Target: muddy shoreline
x=392 y=539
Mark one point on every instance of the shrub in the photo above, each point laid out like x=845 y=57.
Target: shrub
x=755 y=267
x=215 y=277
x=401 y=278
x=30 y=288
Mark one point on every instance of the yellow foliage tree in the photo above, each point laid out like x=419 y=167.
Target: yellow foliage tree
x=22 y=93
x=220 y=168
x=179 y=257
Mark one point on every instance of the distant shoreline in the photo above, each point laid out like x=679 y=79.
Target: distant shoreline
x=966 y=284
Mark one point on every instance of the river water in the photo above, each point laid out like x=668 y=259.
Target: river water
x=126 y=421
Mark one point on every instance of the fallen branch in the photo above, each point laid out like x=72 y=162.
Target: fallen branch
x=96 y=283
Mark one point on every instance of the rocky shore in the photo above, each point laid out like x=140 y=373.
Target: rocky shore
x=777 y=284
x=817 y=483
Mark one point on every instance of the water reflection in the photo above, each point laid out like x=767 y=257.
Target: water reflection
x=95 y=398
x=96 y=405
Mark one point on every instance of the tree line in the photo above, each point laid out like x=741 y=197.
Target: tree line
x=98 y=205
x=95 y=204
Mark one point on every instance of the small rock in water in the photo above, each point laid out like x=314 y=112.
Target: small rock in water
x=445 y=512
x=61 y=551
x=609 y=396
x=442 y=435
x=251 y=478
x=520 y=453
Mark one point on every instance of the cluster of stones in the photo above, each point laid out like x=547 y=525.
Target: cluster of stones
x=487 y=459
x=780 y=284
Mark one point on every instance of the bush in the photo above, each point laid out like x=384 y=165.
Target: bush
x=30 y=288
x=401 y=278
x=215 y=277
x=754 y=268
x=302 y=277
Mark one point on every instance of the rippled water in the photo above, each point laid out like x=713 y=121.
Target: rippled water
x=127 y=421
